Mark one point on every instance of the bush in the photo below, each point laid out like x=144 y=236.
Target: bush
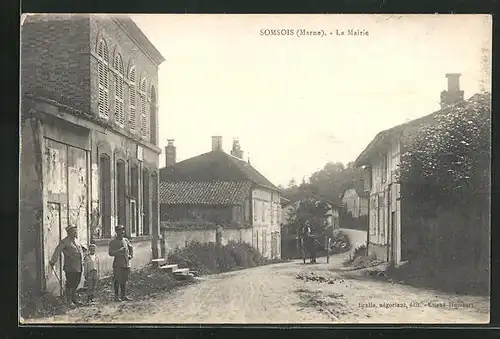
x=360 y=251
x=196 y=256
x=340 y=243
x=360 y=258
x=208 y=258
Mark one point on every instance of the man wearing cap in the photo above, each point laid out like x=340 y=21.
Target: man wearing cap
x=72 y=250
x=122 y=251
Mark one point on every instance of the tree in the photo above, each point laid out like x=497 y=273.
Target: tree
x=445 y=186
x=451 y=157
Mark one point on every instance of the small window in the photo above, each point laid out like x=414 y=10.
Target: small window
x=384 y=168
x=255 y=212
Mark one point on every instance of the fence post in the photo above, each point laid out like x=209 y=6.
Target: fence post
x=327 y=244
x=162 y=244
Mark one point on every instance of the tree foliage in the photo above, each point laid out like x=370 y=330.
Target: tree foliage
x=450 y=158
x=328 y=183
x=310 y=210
x=445 y=184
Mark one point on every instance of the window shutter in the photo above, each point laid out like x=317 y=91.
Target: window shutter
x=132 y=95
x=119 y=105
x=102 y=70
x=144 y=122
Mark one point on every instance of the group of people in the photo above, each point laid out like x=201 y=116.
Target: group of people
x=79 y=261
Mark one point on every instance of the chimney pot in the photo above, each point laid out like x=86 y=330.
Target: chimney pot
x=170 y=153
x=216 y=143
x=453 y=94
x=237 y=151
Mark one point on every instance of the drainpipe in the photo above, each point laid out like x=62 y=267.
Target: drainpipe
x=369 y=216
x=390 y=249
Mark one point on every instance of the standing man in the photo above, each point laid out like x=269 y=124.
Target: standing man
x=72 y=250
x=122 y=251
x=305 y=234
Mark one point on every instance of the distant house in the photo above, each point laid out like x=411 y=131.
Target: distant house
x=288 y=208
x=380 y=160
x=355 y=202
x=222 y=189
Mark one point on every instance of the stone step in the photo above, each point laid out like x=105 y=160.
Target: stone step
x=169 y=267
x=157 y=262
x=181 y=271
x=184 y=277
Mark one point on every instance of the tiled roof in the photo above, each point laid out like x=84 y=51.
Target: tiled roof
x=214 y=166
x=203 y=192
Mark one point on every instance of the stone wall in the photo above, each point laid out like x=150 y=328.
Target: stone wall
x=142 y=255
x=173 y=238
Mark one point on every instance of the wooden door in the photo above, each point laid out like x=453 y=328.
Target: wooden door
x=77 y=191
x=55 y=212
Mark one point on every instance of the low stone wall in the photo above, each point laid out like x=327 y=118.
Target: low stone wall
x=379 y=250
x=142 y=255
x=179 y=236
x=356 y=238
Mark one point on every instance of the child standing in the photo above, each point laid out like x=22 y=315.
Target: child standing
x=91 y=266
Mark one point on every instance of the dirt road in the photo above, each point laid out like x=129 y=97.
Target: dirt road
x=274 y=294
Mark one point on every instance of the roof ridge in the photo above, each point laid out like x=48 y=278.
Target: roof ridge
x=384 y=133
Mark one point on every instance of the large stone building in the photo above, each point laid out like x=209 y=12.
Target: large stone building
x=89 y=127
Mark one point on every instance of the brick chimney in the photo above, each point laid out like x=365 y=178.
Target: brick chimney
x=237 y=151
x=216 y=143
x=170 y=153
x=453 y=94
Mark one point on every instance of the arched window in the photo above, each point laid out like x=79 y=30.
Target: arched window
x=105 y=195
x=152 y=116
x=120 y=192
x=119 y=109
x=132 y=119
x=144 y=118
x=134 y=194
x=145 y=202
x=102 y=69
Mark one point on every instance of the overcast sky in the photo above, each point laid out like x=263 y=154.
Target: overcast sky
x=297 y=103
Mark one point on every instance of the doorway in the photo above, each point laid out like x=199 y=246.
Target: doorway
x=65 y=170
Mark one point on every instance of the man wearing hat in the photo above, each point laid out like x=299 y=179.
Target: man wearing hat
x=122 y=251
x=72 y=250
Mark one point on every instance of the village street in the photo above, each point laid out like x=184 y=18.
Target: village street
x=274 y=294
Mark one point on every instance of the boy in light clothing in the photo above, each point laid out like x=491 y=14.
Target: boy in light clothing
x=91 y=267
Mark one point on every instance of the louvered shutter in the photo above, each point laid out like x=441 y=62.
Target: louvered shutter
x=132 y=95
x=102 y=70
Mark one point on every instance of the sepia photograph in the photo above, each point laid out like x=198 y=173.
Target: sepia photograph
x=254 y=169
